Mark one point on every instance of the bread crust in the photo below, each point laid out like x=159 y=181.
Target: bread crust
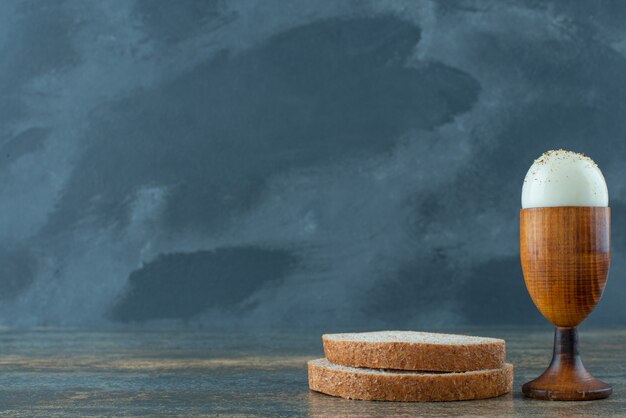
x=417 y=356
x=366 y=384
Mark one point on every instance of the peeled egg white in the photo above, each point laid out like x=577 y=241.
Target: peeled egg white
x=564 y=178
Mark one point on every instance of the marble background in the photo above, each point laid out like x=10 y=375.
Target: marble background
x=272 y=163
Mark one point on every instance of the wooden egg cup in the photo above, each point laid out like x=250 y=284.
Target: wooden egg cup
x=565 y=254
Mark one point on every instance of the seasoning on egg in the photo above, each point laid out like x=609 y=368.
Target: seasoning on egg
x=564 y=178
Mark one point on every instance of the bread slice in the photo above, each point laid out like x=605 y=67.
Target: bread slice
x=408 y=350
x=407 y=386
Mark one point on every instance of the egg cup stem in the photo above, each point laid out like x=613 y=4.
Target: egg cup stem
x=566 y=378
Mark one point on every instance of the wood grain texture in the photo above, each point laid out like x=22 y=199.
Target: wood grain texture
x=240 y=372
x=565 y=254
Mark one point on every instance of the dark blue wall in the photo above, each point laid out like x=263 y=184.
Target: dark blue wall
x=293 y=163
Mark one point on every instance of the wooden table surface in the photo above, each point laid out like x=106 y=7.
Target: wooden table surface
x=208 y=373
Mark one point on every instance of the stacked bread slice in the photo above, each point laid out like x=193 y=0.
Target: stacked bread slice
x=411 y=366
